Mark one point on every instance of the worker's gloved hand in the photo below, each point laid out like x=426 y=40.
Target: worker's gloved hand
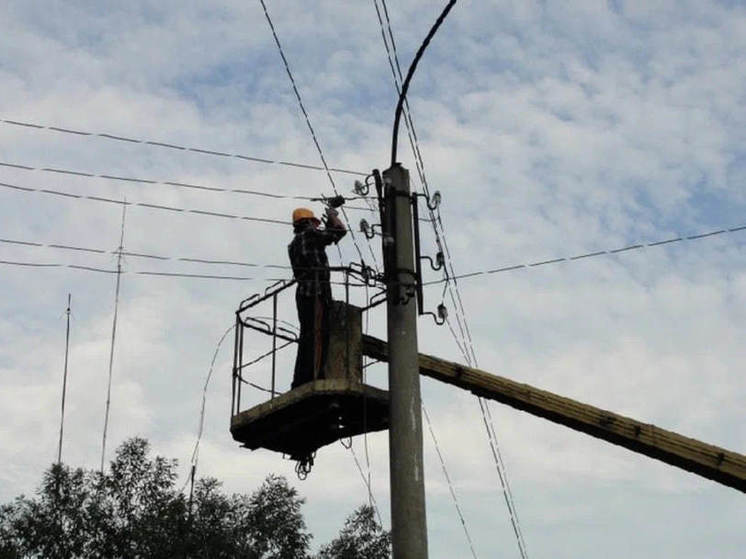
x=331 y=212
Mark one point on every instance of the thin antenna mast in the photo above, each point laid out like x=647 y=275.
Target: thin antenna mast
x=64 y=379
x=120 y=250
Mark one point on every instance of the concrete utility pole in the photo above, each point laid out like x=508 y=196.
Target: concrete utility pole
x=408 y=522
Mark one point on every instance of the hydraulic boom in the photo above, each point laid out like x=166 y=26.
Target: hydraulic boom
x=715 y=463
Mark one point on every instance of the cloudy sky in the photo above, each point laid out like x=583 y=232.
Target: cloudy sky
x=552 y=130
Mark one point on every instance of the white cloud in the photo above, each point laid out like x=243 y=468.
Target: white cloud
x=551 y=132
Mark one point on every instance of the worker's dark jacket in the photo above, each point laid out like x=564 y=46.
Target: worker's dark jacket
x=313 y=298
x=309 y=261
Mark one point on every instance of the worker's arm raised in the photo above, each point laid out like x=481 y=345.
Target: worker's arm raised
x=335 y=229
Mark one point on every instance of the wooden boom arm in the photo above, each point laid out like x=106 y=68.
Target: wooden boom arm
x=715 y=463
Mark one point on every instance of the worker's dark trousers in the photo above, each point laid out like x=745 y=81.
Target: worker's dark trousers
x=313 y=314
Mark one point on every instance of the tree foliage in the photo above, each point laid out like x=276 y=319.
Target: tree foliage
x=361 y=538
x=134 y=511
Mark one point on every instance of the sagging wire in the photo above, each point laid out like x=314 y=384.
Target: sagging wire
x=445 y=282
x=503 y=475
x=497 y=455
x=313 y=133
x=410 y=73
x=157 y=274
x=413 y=140
x=609 y=252
x=160 y=207
x=366 y=482
x=183 y=185
x=59 y=246
x=201 y=424
x=471 y=359
x=362 y=274
x=505 y=471
x=451 y=487
x=33 y=126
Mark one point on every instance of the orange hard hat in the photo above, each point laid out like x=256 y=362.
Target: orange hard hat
x=302 y=213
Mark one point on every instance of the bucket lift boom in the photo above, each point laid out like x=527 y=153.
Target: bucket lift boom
x=718 y=464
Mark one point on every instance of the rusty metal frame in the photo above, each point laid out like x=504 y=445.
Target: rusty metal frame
x=269 y=325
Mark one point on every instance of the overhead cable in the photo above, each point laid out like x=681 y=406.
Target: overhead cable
x=185 y=185
x=503 y=475
x=610 y=252
x=410 y=73
x=158 y=207
x=110 y=271
x=201 y=423
x=451 y=488
x=366 y=482
x=457 y=301
x=160 y=257
x=411 y=132
x=313 y=134
x=26 y=264
x=496 y=454
x=442 y=244
x=34 y=126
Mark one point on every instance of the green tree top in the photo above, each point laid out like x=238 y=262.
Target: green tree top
x=133 y=511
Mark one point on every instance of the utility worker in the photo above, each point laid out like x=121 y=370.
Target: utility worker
x=313 y=296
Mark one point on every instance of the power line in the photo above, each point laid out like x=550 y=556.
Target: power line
x=33 y=126
x=450 y=483
x=420 y=168
x=366 y=482
x=463 y=325
x=610 y=252
x=159 y=257
x=393 y=60
x=419 y=163
x=313 y=134
x=501 y=462
x=410 y=73
x=503 y=475
x=411 y=134
x=495 y=449
x=124 y=272
x=176 y=184
x=142 y=255
x=496 y=454
x=157 y=207
x=408 y=121
x=201 y=424
x=442 y=244
x=156 y=274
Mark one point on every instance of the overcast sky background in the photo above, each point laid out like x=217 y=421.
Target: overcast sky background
x=551 y=129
